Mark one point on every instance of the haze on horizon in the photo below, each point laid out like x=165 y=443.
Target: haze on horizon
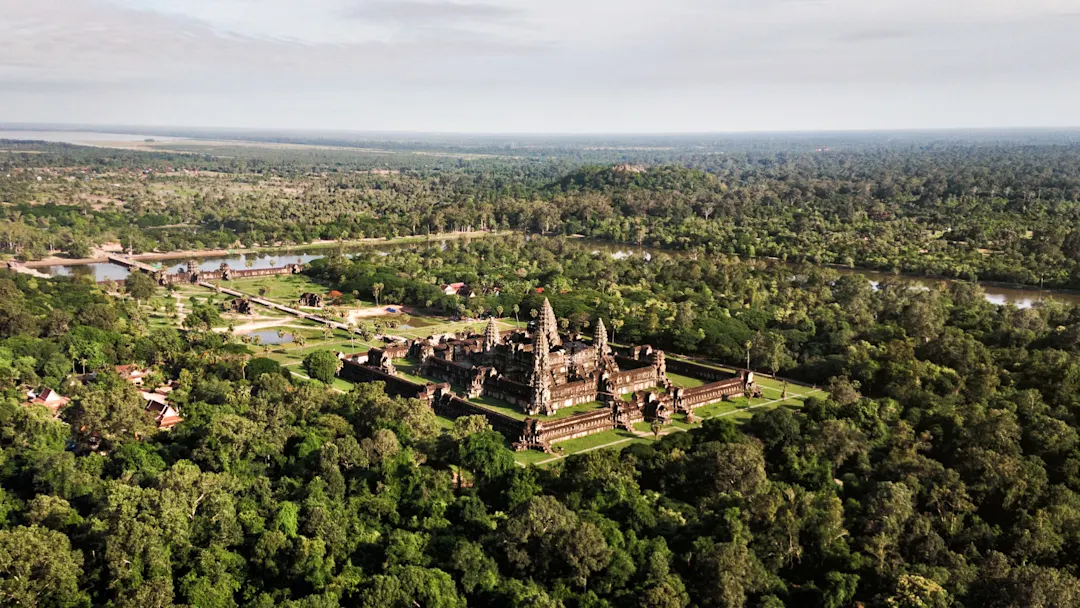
x=559 y=66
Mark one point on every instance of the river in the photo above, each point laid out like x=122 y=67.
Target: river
x=1019 y=297
x=996 y=294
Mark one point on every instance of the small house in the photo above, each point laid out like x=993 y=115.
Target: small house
x=132 y=374
x=165 y=415
x=49 y=398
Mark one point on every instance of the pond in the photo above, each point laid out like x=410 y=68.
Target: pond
x=270 y=336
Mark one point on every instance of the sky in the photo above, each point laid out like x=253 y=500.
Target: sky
x=543 y=66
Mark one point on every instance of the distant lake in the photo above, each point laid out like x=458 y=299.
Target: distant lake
x=81 y=137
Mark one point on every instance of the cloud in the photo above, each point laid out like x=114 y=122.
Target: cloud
x=874 y=35
x=522 y=62
x=427 y=13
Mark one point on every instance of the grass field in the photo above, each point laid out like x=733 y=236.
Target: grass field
x=410 y=370
x=739 y=410
x=283 y=289
x=591 y=442
x=684 y=381
x=500 y=406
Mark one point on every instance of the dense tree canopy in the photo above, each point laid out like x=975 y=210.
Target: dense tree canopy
x=1000 y=209
x=941 y=468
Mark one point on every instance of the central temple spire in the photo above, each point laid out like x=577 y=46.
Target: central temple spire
x=540 y=377
x=491 y=335
x=600 y=338
x=549 y=325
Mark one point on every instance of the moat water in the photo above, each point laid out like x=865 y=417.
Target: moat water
x=1020 y=297
x=1017 y=296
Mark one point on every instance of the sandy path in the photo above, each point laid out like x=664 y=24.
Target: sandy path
x=366 y=313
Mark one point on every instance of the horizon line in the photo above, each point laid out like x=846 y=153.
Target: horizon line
x=120 y=129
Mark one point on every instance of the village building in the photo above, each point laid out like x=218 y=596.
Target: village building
x=132 y=374
x=457 y=289
x=157 y=404
x=48 y=398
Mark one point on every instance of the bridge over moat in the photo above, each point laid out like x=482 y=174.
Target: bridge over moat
x=291 y=269
x=130 y=263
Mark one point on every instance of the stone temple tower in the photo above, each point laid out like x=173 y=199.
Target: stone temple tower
x=540 y=378
x=600 y=339
x=550 y=324
x=491 y=336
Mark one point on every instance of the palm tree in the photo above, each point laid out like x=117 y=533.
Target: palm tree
x=300 y=341
x=377 y=289
x=517 y=309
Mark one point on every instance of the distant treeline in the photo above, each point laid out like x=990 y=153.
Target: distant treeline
x=997 y=209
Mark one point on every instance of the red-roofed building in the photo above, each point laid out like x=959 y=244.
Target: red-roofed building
x=453 y=289
x=49 y=398
x=164 y=414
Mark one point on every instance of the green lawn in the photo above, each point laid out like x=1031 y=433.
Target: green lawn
x=282 y=288
x=739 y=410
x=528 y=457
x=570 y=411
x=643 y=427
x=684 y=381
x=435 y=325
x=409 y=369
x=574 y=446
x=500 y=406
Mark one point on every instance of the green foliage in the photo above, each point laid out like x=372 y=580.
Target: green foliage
x=322 y=365
x=38 y=567
x=261 y=365
x=940 y=467
x=203 y=316
x=140 y=285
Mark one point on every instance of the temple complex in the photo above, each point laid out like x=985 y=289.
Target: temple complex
x=540 y=373
x=194 y=274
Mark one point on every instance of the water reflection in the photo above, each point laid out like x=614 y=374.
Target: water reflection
x=270 y=336
x=242 y=261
